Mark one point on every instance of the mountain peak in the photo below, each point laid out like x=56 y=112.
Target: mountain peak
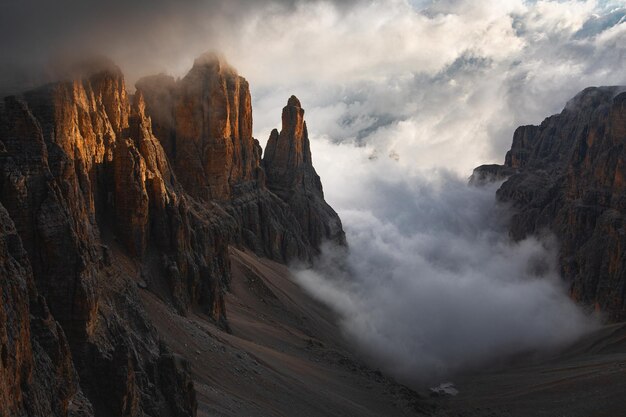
x=292 y=177
x=593 y=97
x=293 y=101
x=214 y=60
x=567 y=175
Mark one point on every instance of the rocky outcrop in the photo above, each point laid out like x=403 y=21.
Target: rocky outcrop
x=152 y=211
x=291 y=176
x=567 y=175
x=37 y=376
x=106 y=198
x=204 y=123
x=491 y=173
x=58 y=176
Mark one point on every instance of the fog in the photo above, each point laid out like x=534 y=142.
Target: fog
x=402 y=98
x=431 y=284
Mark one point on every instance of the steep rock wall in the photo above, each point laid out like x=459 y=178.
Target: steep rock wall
x=57 y=182
x=204 y=123
x=106 y=201
x=567 y=176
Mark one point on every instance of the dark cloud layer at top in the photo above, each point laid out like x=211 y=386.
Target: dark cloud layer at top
x=38 y=35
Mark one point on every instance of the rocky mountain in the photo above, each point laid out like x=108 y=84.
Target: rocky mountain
x=106 y=197
x=291 y=176
x=567 y=175
x=206 y=122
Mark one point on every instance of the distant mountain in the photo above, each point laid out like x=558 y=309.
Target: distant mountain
x=568 y=175
x=108 y=199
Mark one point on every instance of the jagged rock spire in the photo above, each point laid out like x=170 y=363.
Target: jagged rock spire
x=287 y=156
x=291 y=176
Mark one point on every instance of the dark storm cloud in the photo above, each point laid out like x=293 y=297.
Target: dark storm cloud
x=38 y=35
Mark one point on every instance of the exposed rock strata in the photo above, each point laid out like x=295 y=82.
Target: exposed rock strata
x=103 y=201
x=568 y=177
x=37 y=377
x=204 y=122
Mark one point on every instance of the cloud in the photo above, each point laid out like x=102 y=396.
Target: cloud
x=431 y=284
x=142 y=36
x=441 y=83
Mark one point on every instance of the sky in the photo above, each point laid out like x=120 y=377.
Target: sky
x=403 y=99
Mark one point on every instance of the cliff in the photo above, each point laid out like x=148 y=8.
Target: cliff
x=567 y=175
x=37 y=376
x=291 y=176
x=107 y=196
x=204 y=123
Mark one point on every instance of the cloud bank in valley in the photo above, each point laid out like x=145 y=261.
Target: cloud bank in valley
x=431 y=284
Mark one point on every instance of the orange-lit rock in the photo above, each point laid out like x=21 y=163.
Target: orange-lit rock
x=106 y=193
x=205 y=124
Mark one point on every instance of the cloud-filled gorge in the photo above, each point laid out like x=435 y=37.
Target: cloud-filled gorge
x=403 y=99
x=431 y=283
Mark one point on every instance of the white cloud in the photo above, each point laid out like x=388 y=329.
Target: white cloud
x=431 y=284
x=463 y=73
x=557 y=19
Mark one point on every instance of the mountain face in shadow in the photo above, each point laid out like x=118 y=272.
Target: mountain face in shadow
x=107 y=196
x=567 y=176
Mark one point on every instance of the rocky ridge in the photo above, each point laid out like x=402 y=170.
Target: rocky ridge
x=104 y=195
x=204 y=122
x=567 y=176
